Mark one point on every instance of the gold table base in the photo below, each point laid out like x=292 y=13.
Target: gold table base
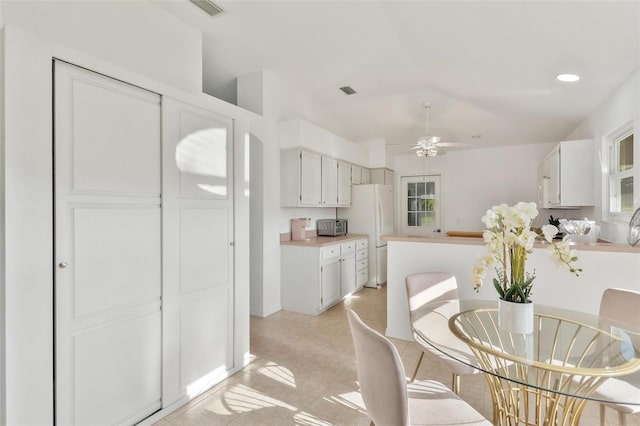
x=541 y=378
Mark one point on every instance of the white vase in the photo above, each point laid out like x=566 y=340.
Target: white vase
x=515 y=317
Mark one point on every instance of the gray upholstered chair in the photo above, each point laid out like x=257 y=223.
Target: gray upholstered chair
x=623 y=306
x=388 y=399
x=431 y=287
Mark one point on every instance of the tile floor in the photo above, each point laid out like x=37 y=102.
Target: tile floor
x=304 y=374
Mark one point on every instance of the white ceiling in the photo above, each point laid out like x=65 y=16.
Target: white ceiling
x=488 y=67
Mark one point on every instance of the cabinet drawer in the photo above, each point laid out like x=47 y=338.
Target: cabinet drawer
x=361 y=254
x=330 y=252
x=361 y=244
x=362 y=277
x=348 y=247
x=362 y=264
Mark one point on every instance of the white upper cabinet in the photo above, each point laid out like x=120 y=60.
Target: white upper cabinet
x=566 y=175
x=310 y=183
x=344 y=184
x=356 y=175
x=310 y=179
x=366 y=176
x=382 y=176
x=329 y=181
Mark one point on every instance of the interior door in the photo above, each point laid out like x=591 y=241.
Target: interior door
x=107 y=249
x=197 y=240
x=421 y=205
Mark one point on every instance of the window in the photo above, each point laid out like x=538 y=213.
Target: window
x=421 y=205
x=621 y=173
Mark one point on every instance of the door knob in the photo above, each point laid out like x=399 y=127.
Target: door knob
x=63 y=265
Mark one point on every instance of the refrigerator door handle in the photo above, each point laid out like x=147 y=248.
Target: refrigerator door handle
x=380 y=219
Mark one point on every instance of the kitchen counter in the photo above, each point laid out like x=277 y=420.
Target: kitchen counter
x=324 y=241
x=599 y=246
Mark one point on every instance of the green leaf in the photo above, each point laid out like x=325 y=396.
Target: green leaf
x=496 y=284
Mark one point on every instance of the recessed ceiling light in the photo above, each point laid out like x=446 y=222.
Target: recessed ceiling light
x=569 y=78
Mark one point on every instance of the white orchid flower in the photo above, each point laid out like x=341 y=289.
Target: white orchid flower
x=549 y=231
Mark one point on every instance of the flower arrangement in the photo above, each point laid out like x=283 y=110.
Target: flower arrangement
x=509 y=239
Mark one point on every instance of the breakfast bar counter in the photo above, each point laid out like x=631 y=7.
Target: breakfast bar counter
x=321 y=241
x=474 y=238
x=604 y=265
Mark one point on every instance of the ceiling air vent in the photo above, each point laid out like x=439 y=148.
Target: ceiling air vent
x=208 y=6
x=348 y=90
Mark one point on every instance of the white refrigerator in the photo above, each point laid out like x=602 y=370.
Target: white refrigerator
x=371 y=213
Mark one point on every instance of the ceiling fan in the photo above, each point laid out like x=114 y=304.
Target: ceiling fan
x=430 y=145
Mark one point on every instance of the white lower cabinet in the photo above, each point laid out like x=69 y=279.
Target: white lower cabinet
x=347 y=268
x=316 y=278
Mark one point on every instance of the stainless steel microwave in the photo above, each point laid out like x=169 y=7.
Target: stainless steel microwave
x=331 y=227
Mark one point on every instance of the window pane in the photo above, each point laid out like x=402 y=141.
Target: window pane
x=431 y=188
x=411 y=219
x=411 y=189
x=427 y=219
x=413 y=204
x=626 y=194
x=421 y=188
x=427 y=204
x=625 y=154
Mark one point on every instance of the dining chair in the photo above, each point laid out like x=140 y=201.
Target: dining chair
x=623 y=306
x=432 y=287
x=387 y=397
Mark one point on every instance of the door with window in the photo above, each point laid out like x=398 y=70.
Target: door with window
x=621 y=172
x=421 y=205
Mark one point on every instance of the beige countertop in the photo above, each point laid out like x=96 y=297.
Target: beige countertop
x=599 y=246
x=324 y=241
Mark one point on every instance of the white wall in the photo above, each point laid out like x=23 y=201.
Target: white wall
x=620 y=107
x=136 y=34
x=474 y=180
x=377 y=153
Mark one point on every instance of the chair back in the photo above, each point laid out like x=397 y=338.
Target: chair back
x=427 y=287
x=381 y=375
x=621 y=305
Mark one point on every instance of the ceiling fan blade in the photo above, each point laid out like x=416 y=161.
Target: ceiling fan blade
x=454 y=144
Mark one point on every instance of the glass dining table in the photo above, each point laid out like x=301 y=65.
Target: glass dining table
x=540 y=378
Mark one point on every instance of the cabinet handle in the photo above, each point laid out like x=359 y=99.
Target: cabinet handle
x=63 y=265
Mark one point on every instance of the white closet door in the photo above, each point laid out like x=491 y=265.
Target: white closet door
x=197 y=234
x=107 y=154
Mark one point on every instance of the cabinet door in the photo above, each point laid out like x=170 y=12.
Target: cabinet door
x=554 y=177
x=356 y=175
x=329 y=181
x=330 y=282
x=388 y=177
x=366 y=176
x=344 y=184
x=310 y=178
x=348 y=274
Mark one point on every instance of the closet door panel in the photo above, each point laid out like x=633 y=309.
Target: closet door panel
x=204 y=256
x=203 y=325
x=125 y=238
x=126 y=375
x=201 y=157
x=197 y=241
x=108 y=319
x=112 y=151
